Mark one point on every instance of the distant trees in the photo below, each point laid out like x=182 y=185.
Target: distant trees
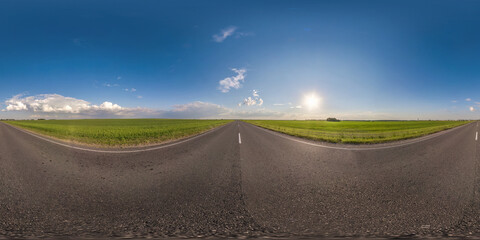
x=332 y=119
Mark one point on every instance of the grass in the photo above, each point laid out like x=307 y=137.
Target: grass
x=357 y=132
x=118 y=132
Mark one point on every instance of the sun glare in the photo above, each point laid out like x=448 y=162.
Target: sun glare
x=311 y=101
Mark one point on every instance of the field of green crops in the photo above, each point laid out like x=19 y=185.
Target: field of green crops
x=357 y=131
x=118 y=132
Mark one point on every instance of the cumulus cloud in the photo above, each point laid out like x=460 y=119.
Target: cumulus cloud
x=232 y=82
x=252 y=101
x=58 y=105
x=249 y=101
x=224 y=34
x=46 y=103
x=472 y=109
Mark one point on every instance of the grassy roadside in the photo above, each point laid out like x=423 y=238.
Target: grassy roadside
x=357 y=132
x=118 y=132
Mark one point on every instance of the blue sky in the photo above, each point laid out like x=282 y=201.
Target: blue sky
x=240 y=59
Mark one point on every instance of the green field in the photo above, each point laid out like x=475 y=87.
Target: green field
x=118 y=132
x=357 y=131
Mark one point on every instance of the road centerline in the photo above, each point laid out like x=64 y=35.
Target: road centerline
x=239 y=139
x=476 y=136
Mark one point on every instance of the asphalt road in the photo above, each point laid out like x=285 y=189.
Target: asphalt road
x=240 y=180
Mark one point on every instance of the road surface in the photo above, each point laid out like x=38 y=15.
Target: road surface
x=240 y=180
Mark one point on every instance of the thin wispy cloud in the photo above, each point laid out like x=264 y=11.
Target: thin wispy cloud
x=110 y=85
x=278 y=104
x=231 y=31
x=468 y=99
x=197 y=109
x=232 y=82
x=79 y=42
x=130 y=90
x=472 y=109
x=244 y=34
x=224 y=34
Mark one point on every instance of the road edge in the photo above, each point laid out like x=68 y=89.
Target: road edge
x=86 y=147
x=354 y=147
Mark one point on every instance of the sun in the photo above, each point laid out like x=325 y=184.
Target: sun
x=311 y=101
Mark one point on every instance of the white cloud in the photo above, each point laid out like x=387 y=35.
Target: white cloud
x=58 y=105
x=472 y=109
x=130 y=90
x=249 y=101
x=278 y=104
x=139 y=97
x=232 y=82
x=468 y=99
x=255 y=101
x=454 y=101
x=224 y=34
x=46 y=103
x=106 y=106
x=298 y=106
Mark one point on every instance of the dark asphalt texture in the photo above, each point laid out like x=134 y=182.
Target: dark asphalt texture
x=270 y=185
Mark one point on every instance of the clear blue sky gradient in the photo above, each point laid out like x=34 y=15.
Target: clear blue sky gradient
x=365 y=59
